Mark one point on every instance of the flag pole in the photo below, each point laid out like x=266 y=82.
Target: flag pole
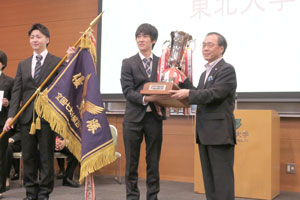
x=92 y=24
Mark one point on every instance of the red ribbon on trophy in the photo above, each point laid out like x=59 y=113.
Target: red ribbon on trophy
x=188 y=64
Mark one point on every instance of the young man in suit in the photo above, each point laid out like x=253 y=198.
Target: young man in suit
x=6 y=85
x=30 y=74
x=215 y=123
x=142 y=117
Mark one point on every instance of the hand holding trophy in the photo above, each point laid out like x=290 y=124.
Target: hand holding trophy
x=175 y=66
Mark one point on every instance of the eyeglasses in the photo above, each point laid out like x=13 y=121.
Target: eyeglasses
x=208 y=45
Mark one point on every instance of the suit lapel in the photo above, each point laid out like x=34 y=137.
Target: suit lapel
x=2 y=81
x=201 y=81
x=27 y=66
x=153 y=76
x=214 y=70
x=140 y=65
x=45 y=68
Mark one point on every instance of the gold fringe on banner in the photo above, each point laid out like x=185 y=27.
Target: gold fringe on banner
x=98 y=160
x=57 y=123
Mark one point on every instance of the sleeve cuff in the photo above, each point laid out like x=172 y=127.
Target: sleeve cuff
x=144 y=103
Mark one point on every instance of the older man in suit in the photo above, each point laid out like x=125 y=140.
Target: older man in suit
x=31 y=73
x=6 y=84
x=215 y=123
x=142 y=117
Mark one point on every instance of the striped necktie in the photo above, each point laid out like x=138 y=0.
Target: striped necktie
x=147 y=63
x=38 y=67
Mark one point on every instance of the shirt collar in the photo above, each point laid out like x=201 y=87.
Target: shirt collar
x=209 y=66
x=142 y=56
x=44 y=54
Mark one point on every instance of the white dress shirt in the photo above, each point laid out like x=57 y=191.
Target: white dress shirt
x=33 y=62
x=209 y=67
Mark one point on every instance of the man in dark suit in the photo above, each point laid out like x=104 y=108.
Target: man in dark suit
x=6 y=84
x=14 y=145
x=60 y=146
x=215 y=123
x=30 y=74
x=142 y=117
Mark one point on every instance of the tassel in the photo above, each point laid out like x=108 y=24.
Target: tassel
x=84 y=42
x=32 y=129
x=38 y=123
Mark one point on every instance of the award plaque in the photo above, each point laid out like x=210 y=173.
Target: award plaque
x=160 y=90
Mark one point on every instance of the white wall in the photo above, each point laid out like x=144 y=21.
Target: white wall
x=263 y=37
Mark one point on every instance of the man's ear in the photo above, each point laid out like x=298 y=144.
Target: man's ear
x=3 y=66
x=222 y=50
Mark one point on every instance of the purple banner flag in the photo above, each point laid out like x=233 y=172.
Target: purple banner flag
x=73 y=106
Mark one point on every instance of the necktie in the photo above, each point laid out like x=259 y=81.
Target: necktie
x=38 y=67
x=148 y=69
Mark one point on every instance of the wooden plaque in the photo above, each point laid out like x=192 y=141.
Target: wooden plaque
x=162 y=89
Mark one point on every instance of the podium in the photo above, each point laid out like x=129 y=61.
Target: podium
x=257 y=156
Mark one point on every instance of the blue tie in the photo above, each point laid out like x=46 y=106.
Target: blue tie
x=148 y=69
x=38 y=67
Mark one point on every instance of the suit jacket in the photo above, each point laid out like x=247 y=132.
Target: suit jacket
x=6 y=85
x=133 y=78
x=215 y=101
x=25 y=86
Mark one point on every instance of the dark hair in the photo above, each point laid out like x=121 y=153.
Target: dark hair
x=147 y=29
x=3 y=59
x=221 y=40
x=43 y=29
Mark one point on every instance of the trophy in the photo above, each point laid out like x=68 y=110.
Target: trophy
x=168 y=71
x=180 y=40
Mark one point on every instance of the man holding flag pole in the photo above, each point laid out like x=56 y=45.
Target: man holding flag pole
x=30 y=74
x=71 y=110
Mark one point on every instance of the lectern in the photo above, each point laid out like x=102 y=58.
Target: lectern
x=257 y=155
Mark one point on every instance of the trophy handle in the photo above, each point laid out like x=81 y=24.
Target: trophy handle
x=166 y=44
x=193 y=42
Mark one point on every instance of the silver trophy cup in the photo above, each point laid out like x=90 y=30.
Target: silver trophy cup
x=179 y=42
